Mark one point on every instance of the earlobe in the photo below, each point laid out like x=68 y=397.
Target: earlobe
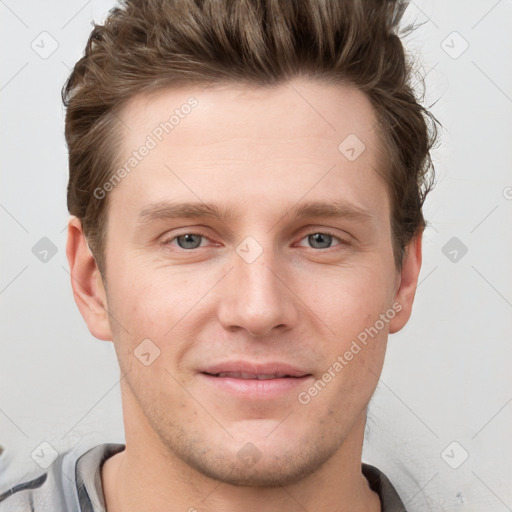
x=86 y=282
x=404 y=296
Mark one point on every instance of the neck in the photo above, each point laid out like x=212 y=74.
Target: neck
x=147 y=476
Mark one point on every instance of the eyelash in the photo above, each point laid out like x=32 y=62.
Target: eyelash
x=198 y=233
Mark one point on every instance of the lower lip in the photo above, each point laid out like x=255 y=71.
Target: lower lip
x=254 y=388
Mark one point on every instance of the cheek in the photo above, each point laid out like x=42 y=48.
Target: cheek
x=150 y=304
x=155 y=313
x=349 y=303
x=348 y=299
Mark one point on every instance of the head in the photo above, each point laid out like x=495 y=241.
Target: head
x=293 y=127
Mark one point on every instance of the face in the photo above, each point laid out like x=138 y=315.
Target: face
x=250 y=277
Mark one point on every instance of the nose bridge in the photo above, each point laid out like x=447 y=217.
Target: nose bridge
x=256 y=299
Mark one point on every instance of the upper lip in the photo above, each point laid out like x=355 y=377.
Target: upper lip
x=255 y=369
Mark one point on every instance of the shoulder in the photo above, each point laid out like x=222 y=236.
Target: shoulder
x=15 y=499
x=58 y=488
x=379 y=483
x=38 y=490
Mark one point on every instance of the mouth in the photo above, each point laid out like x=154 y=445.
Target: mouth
x=254 y=381
x=246 y=375
x=252 y=370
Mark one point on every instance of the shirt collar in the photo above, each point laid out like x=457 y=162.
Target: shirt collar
x=90 y=489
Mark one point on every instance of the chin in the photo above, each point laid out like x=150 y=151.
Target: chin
x=262 y=462
x=268 y=471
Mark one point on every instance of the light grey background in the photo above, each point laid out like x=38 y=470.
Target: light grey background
x=447 y=376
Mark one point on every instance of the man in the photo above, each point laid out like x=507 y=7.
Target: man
x=246 y=185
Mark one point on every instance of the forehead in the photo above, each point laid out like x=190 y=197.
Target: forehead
x=311 y=107
x=293 y=139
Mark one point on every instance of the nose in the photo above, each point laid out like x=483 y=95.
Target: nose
x=257 y=297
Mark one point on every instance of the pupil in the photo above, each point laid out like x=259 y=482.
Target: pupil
x=320 y=240
x=188 y=242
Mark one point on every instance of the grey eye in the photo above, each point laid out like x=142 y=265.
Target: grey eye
x=320 y=240
x=189 y=241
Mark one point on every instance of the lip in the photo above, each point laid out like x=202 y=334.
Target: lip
x=288 y=378
x=254 y=369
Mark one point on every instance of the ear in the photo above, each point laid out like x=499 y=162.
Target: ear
x=86 y=281
x=408 y=281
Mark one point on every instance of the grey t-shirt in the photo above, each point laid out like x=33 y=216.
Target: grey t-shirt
x=73 y=484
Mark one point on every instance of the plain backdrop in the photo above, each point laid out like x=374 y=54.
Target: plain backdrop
x=440 y=422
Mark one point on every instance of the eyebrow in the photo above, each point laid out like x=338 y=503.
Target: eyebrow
x=188 y=210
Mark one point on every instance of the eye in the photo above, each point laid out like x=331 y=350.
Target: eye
x=321 y=240
x=187 y=240
x=317 y=240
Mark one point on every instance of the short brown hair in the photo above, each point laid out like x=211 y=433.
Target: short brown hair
x=147 y=45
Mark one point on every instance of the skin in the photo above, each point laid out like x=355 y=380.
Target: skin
x=260 y=152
